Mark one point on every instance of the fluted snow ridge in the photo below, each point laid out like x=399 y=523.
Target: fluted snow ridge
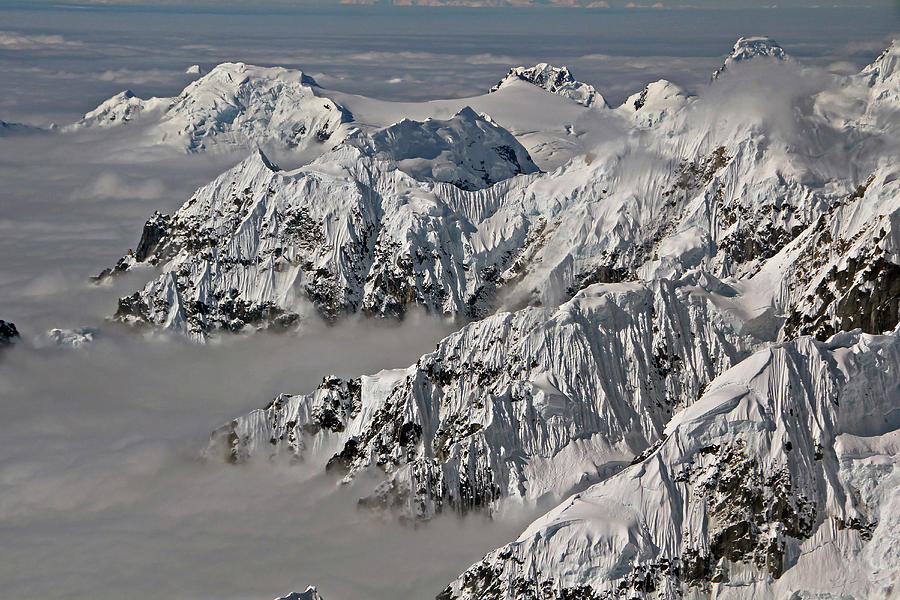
x=526 y=405
x=782 y=470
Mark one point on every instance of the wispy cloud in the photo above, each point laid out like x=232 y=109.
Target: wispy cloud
x=14 y=40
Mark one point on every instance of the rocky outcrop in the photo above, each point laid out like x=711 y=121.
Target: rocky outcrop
x=310 y=594
x=8 y=333
x=556 y=80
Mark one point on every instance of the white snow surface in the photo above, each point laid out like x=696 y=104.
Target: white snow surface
x=779 y=481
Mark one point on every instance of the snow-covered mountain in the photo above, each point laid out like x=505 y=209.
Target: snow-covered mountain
x=729 y=181
x=643 y=367
x=468 y=150
x=779 y=482
x=527 y=405
x=233 y=105
x=351 y=231
x=750 y=48
x=557 y=80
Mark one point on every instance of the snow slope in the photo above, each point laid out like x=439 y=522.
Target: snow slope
x=525 y=405
x=233 y=105
x=778 y=482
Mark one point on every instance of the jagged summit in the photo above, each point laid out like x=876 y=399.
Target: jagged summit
x=557 y=80
x=311 y=593
x=748 y=48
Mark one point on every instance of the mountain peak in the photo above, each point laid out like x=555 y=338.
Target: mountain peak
x=261 y=156
x=750 y=47
x=886 y=65
x=556 y=80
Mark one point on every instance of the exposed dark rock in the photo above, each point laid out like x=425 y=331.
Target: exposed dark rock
x=8 y=333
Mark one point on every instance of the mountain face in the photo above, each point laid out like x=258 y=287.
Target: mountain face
x=8 y=333
x=233 y=105
x=748 y=48
x=556 y=80
x=525 y=404
x=349 y=232
x=776 y=482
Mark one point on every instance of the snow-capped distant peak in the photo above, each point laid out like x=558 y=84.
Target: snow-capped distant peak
x=193 y=70
x=557 y=80
x=235 y=104
x=654 y=103
x=747 y=48
x=311 y=593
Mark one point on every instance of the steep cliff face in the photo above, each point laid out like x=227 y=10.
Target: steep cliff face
x=528 y=404
x=842 y=273
x=754 y=490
